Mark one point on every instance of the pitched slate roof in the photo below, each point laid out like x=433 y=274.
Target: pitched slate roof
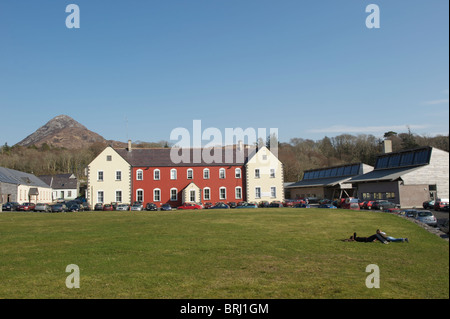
x=162 y=157
x=12 y=176
x=60 y=181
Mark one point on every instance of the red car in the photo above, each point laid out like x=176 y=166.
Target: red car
x=440 y=204
x=108 y=207
x=190 y=206
x=26 y=207
x=368 y=204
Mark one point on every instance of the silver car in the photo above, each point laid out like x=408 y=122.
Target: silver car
x=123 y=207
x=137 y=207
x=426 y=217
x=42 y=207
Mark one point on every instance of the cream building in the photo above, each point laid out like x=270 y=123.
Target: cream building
x=109 y=179
x=264 y=177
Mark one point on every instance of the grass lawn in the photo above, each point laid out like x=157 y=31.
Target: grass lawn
x=255 y=253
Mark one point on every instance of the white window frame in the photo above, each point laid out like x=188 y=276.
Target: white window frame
x=222 y=173
x=98 y=196
x=220 y=193
x=139 y=175
x=155 y=199
x=155 y=172
x=173 y=174
x=237 y=173
x=174 y=199
x=118 y=174
x=273 y=192
x=121 y=195
x=98 y=176
x=190 y=170
x=206 y=170
x=257 y=173
x=137 y=195
x=204 y=193
x=238 y=188
x=256 y=192
x=272 y=173
x=192 y=191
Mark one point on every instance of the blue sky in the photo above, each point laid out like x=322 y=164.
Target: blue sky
x=309 y=68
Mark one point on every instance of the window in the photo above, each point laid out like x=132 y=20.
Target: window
x=100 y=197
x=173 y=174
x=237 y=173
x=272 y=173
x=109 y=158
x=190 y=174
x=156 y=195
x=257 y=192
x=257 y=174
x=222 y=193
x=273 y=192
x=119 y=196
x=100 y=176
x=206 y=193
x=118 y=175
x=69 y=194
x=206 y=173
x=139 y=175
x=238 y=192
x=140 y=195
x=264 y=157
x=156 y=175
x=222 y=173
x=173 y=194
x=192 y=195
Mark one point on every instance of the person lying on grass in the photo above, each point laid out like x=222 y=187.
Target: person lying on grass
x=378 y=236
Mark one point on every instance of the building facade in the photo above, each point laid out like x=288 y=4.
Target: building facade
x=65 y=186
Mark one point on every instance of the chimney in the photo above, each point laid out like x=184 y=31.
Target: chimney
x=387 y=146
x=240 y=145
x=129 y=145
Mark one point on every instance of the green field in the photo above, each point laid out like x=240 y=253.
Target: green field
x=255 y=253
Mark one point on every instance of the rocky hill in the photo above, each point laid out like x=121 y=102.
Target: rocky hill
x=64 y=131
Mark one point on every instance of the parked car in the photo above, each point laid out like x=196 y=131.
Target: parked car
x=325 y=205
x=246 y=205
x=350 y=203
x=59 y=208
x=137 y=207
x=264 y=204
x=74 y=207
x=123 y=207
x=86 y=206
x=288 y=203
x=276 y=204
x=368 y=204
x=232 y=204
x=426 y=217
x=412 y=213
x=26 y=207
x=10 y=206
x=190 y=206
x=151 y=207
x=440 y=204
x=384 y=204
x=42 y=207
x=166 y=207
x=302 y=205
x=220 y=206
x=429 y=204
x=108 y=207
x=98 y=206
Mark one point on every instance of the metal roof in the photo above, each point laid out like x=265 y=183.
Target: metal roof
x=383 y=174
x=11 y=176
x=332 y=181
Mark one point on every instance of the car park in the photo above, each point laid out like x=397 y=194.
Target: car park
x=151 y=207
x=10 y=206
x=59 y=208
x=123 y=207
x=384 y=204
x=26 y=207
x=42 y=207
x=426 y=217
x=187 y=206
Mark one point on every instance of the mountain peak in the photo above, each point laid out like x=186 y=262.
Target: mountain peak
x=62 y=131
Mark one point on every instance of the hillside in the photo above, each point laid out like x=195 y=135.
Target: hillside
x=64 y=131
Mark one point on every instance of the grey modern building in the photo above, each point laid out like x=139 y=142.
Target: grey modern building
x=407 y=178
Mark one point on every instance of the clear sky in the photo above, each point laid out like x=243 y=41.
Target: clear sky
x=309 y=68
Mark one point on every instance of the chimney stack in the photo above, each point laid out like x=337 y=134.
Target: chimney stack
x=129 y=145
x=387 y=146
